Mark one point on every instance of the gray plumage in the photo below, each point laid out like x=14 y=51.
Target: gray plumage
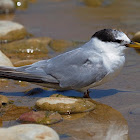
x=95 y=62
x=72 y=70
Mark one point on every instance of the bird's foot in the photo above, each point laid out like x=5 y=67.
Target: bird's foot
x=86 y=94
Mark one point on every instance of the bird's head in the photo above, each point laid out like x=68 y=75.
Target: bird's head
x=110 y=39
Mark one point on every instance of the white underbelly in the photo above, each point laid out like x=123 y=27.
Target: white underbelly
x=111 y=74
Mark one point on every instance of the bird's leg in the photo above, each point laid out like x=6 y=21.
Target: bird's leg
x=86 y=94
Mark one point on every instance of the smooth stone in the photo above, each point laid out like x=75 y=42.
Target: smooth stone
x=4 y=84
x=41 y=117
x=28 y=132
x=32 y=48
x=4 y=60
x=13 y=112
x=3 y=100
x=102 y=123
x=58 y=95
x=7 y=16
x=10 y=31
x=136 y=37
x=61 y=45
x=7 y=6
x=135 y=111
x=65 y=105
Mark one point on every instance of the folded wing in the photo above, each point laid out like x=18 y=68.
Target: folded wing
x=74 y=69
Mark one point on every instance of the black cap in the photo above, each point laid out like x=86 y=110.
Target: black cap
x=107 y=35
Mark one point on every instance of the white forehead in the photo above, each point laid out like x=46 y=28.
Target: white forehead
x=122 y=36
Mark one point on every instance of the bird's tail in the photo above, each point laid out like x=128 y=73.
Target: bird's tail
x=12 y=73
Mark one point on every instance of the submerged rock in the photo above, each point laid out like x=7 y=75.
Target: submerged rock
x=136 y=37
x=3 y=100
x=102 y=123
x=61 y=45
x=28 y=132
x=74 y=116
x=27 y=48
x=7 y=6
x=65 y=105
x=58 y=95
x=12 y=112
x=4 y=60
x=10 y=31
x=41 y=117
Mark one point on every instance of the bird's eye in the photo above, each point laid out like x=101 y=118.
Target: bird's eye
x=118 y=41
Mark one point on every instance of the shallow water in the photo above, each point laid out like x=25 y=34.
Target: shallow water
x=72 y=20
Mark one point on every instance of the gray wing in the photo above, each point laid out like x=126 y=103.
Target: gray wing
x=74 y=69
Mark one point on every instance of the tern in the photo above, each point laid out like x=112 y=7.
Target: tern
x=92 y=64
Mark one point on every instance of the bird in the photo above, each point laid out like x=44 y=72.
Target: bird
x=90 y=65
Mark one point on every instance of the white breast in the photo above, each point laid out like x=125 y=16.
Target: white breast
x=113 y=64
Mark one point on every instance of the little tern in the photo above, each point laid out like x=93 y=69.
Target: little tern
x=90 y=65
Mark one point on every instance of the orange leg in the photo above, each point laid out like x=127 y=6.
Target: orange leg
x=86 y=94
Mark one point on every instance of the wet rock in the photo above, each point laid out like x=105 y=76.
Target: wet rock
x=12 y=112
x=136 y=37
x=58 y=95
x=4 y=60
x=4 y=84
x=3 y=100
x=65 y=105
x=93 y=3
x=33 y=48
x=28 y=132
x=7 y=17
x=41 y=117
x=102 y=123
x=7 y=6
x=61 y=45
x=10 y=31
